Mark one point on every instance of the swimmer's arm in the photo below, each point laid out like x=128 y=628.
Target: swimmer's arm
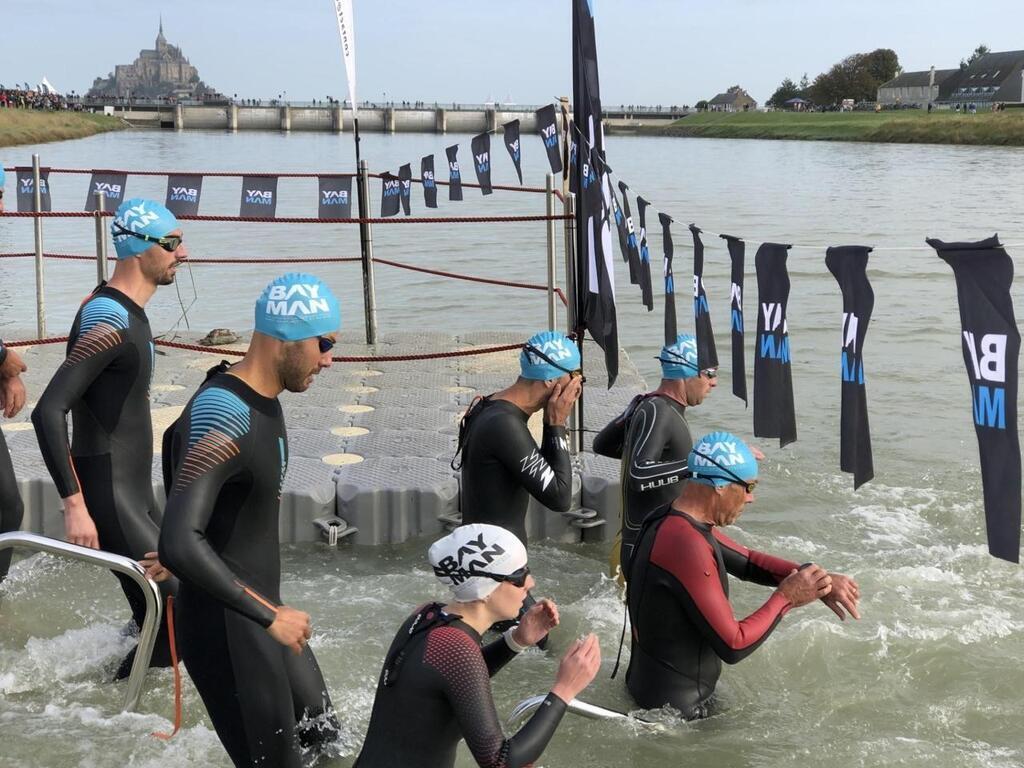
x=751 y=565
x=545 y=473
x=653 y=432
x=92 y=353
x=496 y=655
x=608 y=442
x=184 y=548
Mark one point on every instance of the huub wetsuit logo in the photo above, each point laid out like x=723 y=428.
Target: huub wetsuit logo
x=853 y=367
x=259 y=197
x=988 y=361
x=108 y=190
x=659 y=483
x=281 y=300
x=769 y=347
x=184 y=195
x=474 y=555
x=736 y=296
x=335 y=197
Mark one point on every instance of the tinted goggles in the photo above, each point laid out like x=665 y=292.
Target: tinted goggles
x=326 y=344
x=516 y=578
x=169 y=244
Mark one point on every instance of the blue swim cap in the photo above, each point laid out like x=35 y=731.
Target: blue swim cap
x=297 y=306
x=679 y=360
x=548 y=355
x=3 y=177
x=720 y=458
x=144 y=217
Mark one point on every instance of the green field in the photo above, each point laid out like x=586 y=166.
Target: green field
x=907 y=126
x=23 y=126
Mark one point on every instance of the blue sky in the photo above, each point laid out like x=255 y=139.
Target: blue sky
x=651 y=51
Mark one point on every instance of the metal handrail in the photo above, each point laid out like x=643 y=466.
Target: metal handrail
x=120 y=564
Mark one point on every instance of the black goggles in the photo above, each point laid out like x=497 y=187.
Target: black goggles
x=711 y=373
x=326 y=344
x=516 y=578
x=573 y=373
x=169 y=244
x=732 y=477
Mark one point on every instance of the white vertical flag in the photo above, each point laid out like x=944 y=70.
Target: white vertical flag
x=347 y=31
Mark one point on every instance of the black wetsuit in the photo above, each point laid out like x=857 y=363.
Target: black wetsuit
x=683 y=626
x=228 y=454
x=11 y=508
x=653 y=440
x=502 y=467
x=435 y=689
x=104 y=382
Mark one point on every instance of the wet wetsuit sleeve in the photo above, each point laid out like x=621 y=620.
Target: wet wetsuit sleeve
x=650 y=431
x=608 y=442
x=101 y=341
x=545 y=473
x=466 y=684
x=496 y=655
x=218 y=436
x=3 y=352
x=690 y=560
x=753 y=566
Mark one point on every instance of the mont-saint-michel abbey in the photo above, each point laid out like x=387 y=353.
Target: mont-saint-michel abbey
x=158 y=72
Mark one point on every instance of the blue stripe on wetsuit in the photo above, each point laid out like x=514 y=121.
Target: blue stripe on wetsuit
x=216 y=409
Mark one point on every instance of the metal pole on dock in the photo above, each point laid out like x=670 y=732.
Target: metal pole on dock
x=101 y=240
x=549 y=200
x=576 y=416
x=366 y=243
x=37 y=204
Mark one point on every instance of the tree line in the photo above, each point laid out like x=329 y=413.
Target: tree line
x=856 y=77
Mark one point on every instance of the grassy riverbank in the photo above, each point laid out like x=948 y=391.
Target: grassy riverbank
x=23 y=126
x=907 y=126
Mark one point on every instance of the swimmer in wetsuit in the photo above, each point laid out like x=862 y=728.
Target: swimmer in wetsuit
x=12 y=399
x=683 y=626
x=435 y=687
x=225 y=461
x=653 y=441
x=105 y=476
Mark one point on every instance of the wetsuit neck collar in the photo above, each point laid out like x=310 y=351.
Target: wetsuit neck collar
x=510 y=407
x=672 y=400
x=696 y=523
x=270 y=406
x=121 y=298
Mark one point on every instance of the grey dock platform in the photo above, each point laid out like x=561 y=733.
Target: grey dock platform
x=369 y=443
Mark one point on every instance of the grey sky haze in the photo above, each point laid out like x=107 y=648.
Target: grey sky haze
x=651 y=51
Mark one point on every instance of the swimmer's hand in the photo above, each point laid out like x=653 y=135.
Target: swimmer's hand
x=291 y=627
x=536 y=623
x=154 y=569
x=13 y=365
x=79 y=527
x=806 y=585
x=758 y=453
x=12 y=396
x=578 y=668
x=560 y=402
x=845 y=594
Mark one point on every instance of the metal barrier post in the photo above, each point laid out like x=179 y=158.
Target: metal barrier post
x=549 y=199
x=575 y=443
x=366 y=243
x=120 y=564
x=101 y=240
x=37 y=206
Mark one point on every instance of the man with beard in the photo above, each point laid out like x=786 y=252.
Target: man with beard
x=104 y=476
x=224 y=465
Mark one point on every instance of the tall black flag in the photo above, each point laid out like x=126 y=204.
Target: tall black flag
x=515 y=150
x=429 y=182
x=737 y=256
x=481 y=147
x=991 y=347
x=454 y=174
x=774 y=412
x=635 y=269
x=620 y=226
x=849 y=266
x=646 y=288
x=391 y=195
x=671 y=330
x=405 y=178
x=595 y=284
x=547 y=126
x=707 y=355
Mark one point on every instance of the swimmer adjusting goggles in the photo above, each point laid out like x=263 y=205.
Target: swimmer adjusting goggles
x=711 y=373
x=169 y=244
x=732 y=477
x=575 y=374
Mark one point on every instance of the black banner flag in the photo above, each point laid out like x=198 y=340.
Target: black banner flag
x=671 y=330
x=646 y=288
x=112 y=187
x=390 y=195
x=774 y=412
x=481 y=148
x=849 y=266
x=547 y=126
x=26 y=190
x=512 y=144
x=405 y=177
x=991 y=347
x=259 y=197
x=737 y=256
x=335 y=197
x=635 y=270
x=595 y=285
x=429 y=182
x=707 y=354
x=454 y=174
x=183 y=193
x=620 y=226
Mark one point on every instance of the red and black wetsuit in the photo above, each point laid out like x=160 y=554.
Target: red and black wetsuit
x=11 y=508
x=683 y=624
x=435 y=689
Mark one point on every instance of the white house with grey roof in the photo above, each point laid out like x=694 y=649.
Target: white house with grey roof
x=914 y=88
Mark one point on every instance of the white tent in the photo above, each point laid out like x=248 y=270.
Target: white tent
x=45 y=86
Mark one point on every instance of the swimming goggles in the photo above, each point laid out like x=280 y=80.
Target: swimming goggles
x=326 y=344
x=732 y=477
x=573 y=374
x=169 y=244
x=516 y=578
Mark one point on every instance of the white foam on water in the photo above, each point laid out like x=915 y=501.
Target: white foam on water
x=75 y=655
